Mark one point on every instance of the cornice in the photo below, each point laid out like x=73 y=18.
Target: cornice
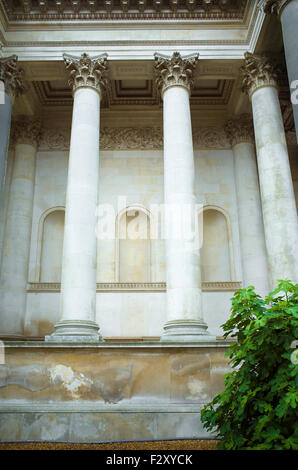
x=66 y=10
x=42 y=50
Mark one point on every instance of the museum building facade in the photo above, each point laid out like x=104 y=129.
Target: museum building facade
x=121 y=122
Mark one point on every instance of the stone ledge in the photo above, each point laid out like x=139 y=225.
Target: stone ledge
x=117 y=345
x=15 y=406
x=218 y=286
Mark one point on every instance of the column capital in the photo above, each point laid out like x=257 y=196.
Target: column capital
x=12 y=76
x=26 y=131
x=273 y=6
x=174 y=70
x=87 y=72
x=257 y=72
x=240 y=129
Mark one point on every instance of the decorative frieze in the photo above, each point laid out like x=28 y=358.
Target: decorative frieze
x=134 y=286
x=54 y=139
x=86 y=71
x=174 y=71
x=113 y=138
x=26 y=131
x=134 y=138
x=240 y=129
x=257 y=72
x=12 y=76
x=210 y=138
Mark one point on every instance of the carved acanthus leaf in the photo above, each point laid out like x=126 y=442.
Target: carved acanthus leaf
x=26 y=131
x=272 y=6
x=175 y=70
x=86 y=71
x=240 y=129
x=257 y=72
x=12 y=76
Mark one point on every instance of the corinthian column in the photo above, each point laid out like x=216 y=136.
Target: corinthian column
x=11 y=85
x=174 y=76
x=277 y=194
x=78 y=284
x=287 y=10
x=252 y=240
x=17 y=234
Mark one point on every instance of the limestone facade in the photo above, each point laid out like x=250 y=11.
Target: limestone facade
x=128 y=125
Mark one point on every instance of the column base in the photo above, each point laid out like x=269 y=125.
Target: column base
x=75 y=331
x=186 y=331
x=11 y=337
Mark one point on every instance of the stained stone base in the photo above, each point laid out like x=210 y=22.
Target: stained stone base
x=185 y=331
x=108 y=391
x=75 y=331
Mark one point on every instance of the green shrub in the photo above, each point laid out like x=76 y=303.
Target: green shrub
x=257 y=409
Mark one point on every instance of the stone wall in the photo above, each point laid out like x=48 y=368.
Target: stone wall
x=107 y=392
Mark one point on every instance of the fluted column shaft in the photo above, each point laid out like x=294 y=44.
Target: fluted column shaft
x=277 y=193
x=251 y=227
x=184 y=296
x=78 y=283
x=17 y=234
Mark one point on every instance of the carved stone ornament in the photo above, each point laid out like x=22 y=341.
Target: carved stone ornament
x=54 y=139
x=210 y=138
x=12 y=76
x=240 y=129
x=257 y=72
x=272 y=6
x=175 y=70
x=86 y=71
x=26 y=131
x=130 y=138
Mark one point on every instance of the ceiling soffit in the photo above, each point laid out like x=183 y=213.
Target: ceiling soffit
x=134 y=93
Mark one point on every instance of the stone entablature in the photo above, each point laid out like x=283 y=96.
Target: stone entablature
x=134 y=138
x=257 y=72
x=12 y=76
x=240 y=129
x=86 y=71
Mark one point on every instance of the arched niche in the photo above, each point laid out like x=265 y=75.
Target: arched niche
x=217 y=263
x=51 y=245
x=133 y=245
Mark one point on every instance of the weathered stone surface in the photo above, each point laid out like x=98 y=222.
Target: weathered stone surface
x=94 y=427
x=107 y=393
x=111 y=376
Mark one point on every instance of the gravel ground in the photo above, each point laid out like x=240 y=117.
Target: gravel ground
x=148 y=445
